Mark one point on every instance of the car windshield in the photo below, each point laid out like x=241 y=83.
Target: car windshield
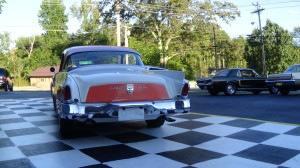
x=107 y=57
x=294 y=68
x=2 y=72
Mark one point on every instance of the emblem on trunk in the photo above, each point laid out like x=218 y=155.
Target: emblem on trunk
x=130 y=88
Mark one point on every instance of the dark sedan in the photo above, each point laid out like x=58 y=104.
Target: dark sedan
x=232 y=80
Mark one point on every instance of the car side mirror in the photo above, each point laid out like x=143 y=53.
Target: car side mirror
x=52 y=69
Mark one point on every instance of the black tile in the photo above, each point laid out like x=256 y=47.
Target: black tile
x=242 y=123
x=32 y=114
x=111 y=153
x=295 y=131
x=191 y=138
x=189 y=116
x=97 y=166
x=252 y=135
x=1 y=107
x=38 y=149
x=75 y=133
x=24 y=131
x=5 y=142
x=19 y=163
x=190 y=124
x=36 y=105
x=47 y=109
x=45 y=123
x=6 y=112
x=191 y=155
x=129 y=137
x=269 y=154
x=12 y=120
x=21 y=108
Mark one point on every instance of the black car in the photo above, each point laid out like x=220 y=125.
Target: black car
x=236 y=79
x=6 y=82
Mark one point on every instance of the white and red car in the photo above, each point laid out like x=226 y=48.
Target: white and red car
x=98 y=84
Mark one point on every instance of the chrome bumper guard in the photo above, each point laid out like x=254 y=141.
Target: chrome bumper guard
x=280 y=82
x=111 y=112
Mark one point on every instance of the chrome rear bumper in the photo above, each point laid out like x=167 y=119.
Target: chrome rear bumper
x=129 y=111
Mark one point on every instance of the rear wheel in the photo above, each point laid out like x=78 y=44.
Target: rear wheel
x=213 y=92
x=65 y=126
x=157 y=122
x=6 y=87
x=284 y=91
x=230 y=89
x=256 y=92
x=273 y=90
x=11 y=88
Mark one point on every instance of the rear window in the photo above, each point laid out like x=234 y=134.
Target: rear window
x=107 y=57
x=294 y=68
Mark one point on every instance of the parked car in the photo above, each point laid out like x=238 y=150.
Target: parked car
x=287 y=81
x=6 y=82
x=232 y=80
x=98 y=84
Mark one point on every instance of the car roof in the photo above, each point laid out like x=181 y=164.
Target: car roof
x=77 y=49
x=238 y=69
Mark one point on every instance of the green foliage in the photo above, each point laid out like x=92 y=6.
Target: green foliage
x=1 y=5
x=279 y=50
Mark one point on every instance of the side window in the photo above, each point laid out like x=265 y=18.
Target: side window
x=130 y=59
x=233 y=73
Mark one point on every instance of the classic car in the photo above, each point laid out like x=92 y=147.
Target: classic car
x=232 y=80
x=287 y=81
x=6 y=80
x=97 y=84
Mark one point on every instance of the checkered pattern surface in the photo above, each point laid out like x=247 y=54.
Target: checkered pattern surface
x=29 y=138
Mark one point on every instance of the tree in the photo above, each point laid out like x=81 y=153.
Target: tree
x=88 y=14
x=279 y=50
x=296 y=36
x=1 y=5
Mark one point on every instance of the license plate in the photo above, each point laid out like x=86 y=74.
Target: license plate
x=278 y=84
x=131 y=114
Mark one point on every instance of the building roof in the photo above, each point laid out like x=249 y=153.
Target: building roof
x=43 y=72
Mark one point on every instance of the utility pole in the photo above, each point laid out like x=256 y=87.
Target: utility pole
x=216 y=54
x=263 y=57
x=118 y=23
x=126 y=34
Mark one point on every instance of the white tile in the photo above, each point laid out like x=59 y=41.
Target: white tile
x=146 y=161
x=10 y=153
x=32 y=139
x=98 y=141
x=272 y=127
x=19 y=125
x=49 y=128
x=4 y=109
x=3 y=134
x=9 y=116
x=157 y=145
x=27 y=111
x=293 y=162
x=70 y=159
x=226 y=146
x=163 y=131
x=234 y=162
x=16 y=106
x=219 y=130
x=214 y=119
x=39 y=118
x=285 y=141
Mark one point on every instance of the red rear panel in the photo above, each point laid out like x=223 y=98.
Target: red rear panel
x=126 y=93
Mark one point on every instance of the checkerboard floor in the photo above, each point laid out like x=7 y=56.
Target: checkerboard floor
x=29 y=138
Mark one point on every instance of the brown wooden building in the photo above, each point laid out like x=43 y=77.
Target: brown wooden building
x=42 y=77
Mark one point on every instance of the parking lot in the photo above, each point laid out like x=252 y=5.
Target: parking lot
x=206 y=137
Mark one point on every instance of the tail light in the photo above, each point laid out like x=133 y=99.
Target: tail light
x=67 y=93
x=185 y=89
x=4 y=78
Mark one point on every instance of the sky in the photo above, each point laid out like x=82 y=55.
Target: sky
x=20 y=17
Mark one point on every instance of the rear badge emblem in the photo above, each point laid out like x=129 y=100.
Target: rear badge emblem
x=130 y=88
